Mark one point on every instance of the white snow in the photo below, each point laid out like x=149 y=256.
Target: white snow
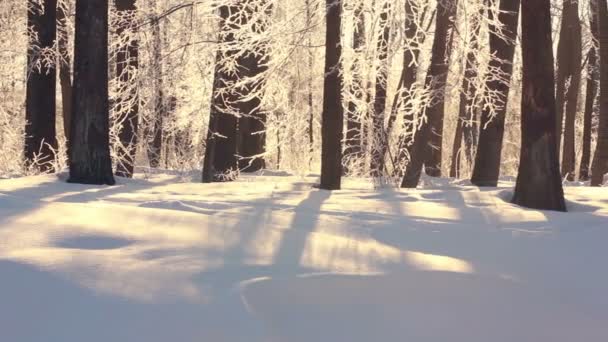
x=270 y=258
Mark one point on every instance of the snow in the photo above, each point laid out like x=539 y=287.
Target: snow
x=271 y=258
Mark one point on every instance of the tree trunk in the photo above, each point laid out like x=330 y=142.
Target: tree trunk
x=221 y=147
x=378 y=130
x=600 y=159
x=90 y=161
x=434 y=149
x=65 y=73
x=40 y=134
x=592 y=75
x=427 y=139
x=127 y=63
x=353 y=144
x=253 y=64
x=416 y=37
x=569 y=54
x=156 y=143
x=489 y=148
x=467 y=106
x=333 y=113
x=539 y=185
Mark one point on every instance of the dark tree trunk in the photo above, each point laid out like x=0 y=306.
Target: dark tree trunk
x=156 y=142
x=539 y=184
x=569 y=55
x=592 y=75
x=378 y=131
x=489 y=148
x=600 y=159
x=467 y=108
x=127 y=61
x=90 y=161
x=353 y=144
x=252 y=125
x=40 y=134
x=65 y=73
x=221 y=147
x=427 y=139
x=333 y=113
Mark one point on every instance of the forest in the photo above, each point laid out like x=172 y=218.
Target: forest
x=256 y=144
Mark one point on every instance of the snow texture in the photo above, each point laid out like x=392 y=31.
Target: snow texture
x=271 y=258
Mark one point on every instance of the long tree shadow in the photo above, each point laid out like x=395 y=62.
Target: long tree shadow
x=293 y=242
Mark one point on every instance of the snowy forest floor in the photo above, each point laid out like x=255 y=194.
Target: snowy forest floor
x=270 y=258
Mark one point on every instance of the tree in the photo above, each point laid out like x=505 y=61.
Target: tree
x=415 y=37
x=127 y=63
x=221 y=146
x=157 y=120
x=252 y=65
x=40 y=134
x=539 y=184
x=489 y=148
x=378 y=150
x=467 y=109
x=592 y=73
x=353 y=143
x=333 y=113
x=569 y=55
x=90 y=161
x=600 y=159
x=65 y=68
x=427 y=139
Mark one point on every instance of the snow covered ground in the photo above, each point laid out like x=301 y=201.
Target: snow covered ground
x=270 y=258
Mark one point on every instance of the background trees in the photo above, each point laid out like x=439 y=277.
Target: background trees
x=249 y=73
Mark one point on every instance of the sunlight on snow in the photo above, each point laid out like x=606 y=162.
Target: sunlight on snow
x=159 y=255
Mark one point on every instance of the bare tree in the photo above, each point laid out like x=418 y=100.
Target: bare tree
x=427 y=140
x=378 y=130
x=600 y=159
x=539 y=184
x=333 y=113
x=591 y=93
x=40 y=134
x=569 y=55
x=90 y=161
x=489 y=149
x=127 y=64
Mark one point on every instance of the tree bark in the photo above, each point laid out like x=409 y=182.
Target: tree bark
x=539 y=185
x=378 y=141
x=40 y=134
x=90 y=161
x=333 y=113
x=600 y=159
x=426 y=148
x=569 y=55
x=492 y=126
x=127 y=63
x=592 y=76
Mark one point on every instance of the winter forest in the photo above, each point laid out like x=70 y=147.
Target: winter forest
x=284 y=169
